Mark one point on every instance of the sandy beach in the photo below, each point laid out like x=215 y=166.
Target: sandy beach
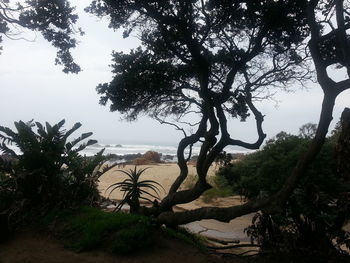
x=165 y=174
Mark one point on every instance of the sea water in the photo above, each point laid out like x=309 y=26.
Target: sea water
x=126 y=149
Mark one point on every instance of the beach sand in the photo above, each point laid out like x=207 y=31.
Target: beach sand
x=164 y=174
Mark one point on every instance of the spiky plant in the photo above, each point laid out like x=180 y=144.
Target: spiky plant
x=37 y=170
x=133 y=189
x=47 y=148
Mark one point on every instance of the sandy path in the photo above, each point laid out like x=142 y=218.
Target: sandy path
x=234 y=230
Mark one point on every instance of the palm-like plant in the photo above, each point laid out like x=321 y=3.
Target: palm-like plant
x=38 y=168
x=47 y=148
x=133 y=189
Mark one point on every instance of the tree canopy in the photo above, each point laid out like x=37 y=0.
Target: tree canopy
x=55 y=20
x=198 y=51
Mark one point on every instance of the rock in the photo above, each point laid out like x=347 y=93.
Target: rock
x=141 y=161
x=152 y=156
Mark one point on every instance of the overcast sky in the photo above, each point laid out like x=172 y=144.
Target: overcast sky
x=32 y=87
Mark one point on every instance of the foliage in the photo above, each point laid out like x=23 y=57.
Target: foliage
x=182 y=41
x=317 y=208
x=54 y=19
x=49 y=171
x=134 y=238
x=223 y=159
x=308 y=130
x=133 y=189
x=90 y=228
x=263 y=172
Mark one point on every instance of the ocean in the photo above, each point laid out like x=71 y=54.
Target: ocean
x=127 y=149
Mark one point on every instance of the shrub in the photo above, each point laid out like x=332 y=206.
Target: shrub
x=90 y=228
x=132 y=239
x=49 y=171
x=315 y=212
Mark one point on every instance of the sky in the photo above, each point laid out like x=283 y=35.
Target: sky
x=32 y=87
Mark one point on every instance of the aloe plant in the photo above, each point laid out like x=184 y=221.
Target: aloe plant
x=134 y=189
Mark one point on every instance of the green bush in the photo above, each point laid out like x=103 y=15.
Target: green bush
x=133 y=239
x=49 y=168
x=48 y=172
x=316 y=210
x=121 y=233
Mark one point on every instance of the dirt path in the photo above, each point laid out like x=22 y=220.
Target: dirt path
x=32 y=247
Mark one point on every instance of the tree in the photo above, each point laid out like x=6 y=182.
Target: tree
x=55 y=20
x=214 y=59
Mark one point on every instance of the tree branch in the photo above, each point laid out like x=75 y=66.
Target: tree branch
x=259 y=118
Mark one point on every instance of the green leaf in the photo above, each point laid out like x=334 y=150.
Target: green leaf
x=73 y=129
x=4 y=149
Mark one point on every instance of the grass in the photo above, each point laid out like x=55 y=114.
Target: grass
x=89 y=228
x=120 y=233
